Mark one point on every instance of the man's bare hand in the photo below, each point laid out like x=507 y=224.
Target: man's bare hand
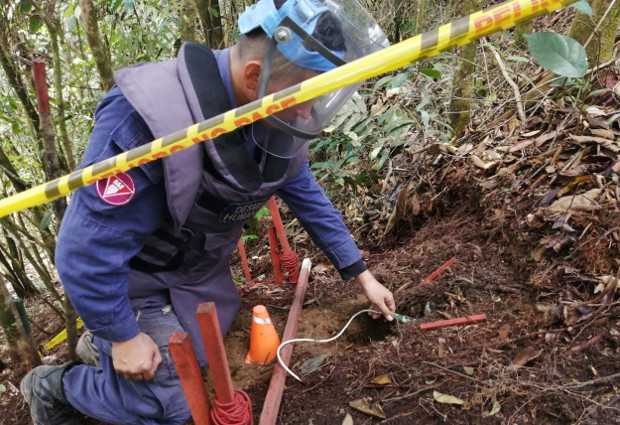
x=137 y=358
x=380 y=297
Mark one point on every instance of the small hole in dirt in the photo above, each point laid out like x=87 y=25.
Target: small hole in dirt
x=369 y=330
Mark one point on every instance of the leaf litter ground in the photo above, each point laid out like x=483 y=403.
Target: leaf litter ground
x=530 y=362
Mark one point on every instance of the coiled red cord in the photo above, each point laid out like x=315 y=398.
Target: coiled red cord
x=290 y=263
x=239 y=412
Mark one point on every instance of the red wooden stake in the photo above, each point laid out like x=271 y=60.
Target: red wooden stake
x=277 y=223
x=434 y=275
x=272 y=402
x=216 y=354
x=40 y=85
x=278 y=278
x=245 y=265
x=431 y=277
x=180 y=346
x=460 y=321
x=288 y=257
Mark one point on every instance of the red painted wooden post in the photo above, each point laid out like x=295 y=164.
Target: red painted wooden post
x=459 y=321
x=245 y=265
x=181 y=349
x=216 y=353
x=289 y=258
x=278 y=277
x=272 y=402
x=434 y=275
x=38 y=74
x=277 y=223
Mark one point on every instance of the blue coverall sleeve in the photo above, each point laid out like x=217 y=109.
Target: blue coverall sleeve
x=323 y=222
x=97 y=239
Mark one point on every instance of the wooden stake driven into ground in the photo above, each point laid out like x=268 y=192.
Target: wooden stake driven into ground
x=276 y=385
x=230 y=407
x=216 y=353
x=182 y=351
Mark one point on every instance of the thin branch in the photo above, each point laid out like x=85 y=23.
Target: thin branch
x=510 y=81
x=598 y=26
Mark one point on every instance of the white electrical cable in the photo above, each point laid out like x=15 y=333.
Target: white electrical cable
x=319 y=341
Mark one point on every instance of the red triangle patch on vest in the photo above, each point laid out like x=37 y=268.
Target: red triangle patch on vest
x=116 y=190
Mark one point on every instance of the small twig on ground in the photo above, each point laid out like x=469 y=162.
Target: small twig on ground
x=592 y=341
x=454 y=372
x=413 y=394
x=510 y=81
x=400 y=415
x=329 y=375
x=604 y=380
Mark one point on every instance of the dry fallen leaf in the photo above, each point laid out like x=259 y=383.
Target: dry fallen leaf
x=606 y=280
x=469 y=370
x=494 y=410
x=583 y=202
x=313 y=364
x=524 y=357
x=481 y=164
x=382 y=380
x=363 y=405
x=521 y=145
x=348 y=420
x=612 y=145
x=504 y=331
x=604 y=133
x=320 y=268
x=541 y=140
x=447 y=399
x=595 y=111
x=530 y=133
x=464 y=149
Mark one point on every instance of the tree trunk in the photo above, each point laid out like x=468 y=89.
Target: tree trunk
x=601 y=47
x=460 y=106
x=51 y=163
x=13 y=262
x=52 y=170
x=211 y=20
x=71 y=326
x=100 y=53
x=53 y=27
x=422 y=17
x=186 y=11
x=16 y=329
x=9 y=327
x=17 y=84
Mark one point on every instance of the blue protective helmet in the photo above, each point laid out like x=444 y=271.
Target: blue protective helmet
x=293 y=25
x=316 y=35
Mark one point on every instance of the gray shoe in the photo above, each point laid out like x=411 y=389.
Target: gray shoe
x=86 y=349
x=42 y=388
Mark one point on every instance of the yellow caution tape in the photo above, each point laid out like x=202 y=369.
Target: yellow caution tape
x=459 y=32
x=61 y=336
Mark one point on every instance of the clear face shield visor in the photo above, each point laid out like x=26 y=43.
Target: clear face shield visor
x=307 y=38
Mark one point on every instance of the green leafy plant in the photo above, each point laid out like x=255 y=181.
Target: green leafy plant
x=584 y=7
x=559 y=54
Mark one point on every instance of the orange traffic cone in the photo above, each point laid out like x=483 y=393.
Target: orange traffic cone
x=264 y=339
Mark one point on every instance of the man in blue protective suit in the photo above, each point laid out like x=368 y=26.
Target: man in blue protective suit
x=138 y=251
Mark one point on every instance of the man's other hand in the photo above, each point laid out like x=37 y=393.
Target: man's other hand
x=137 y=358
x=380 y=297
